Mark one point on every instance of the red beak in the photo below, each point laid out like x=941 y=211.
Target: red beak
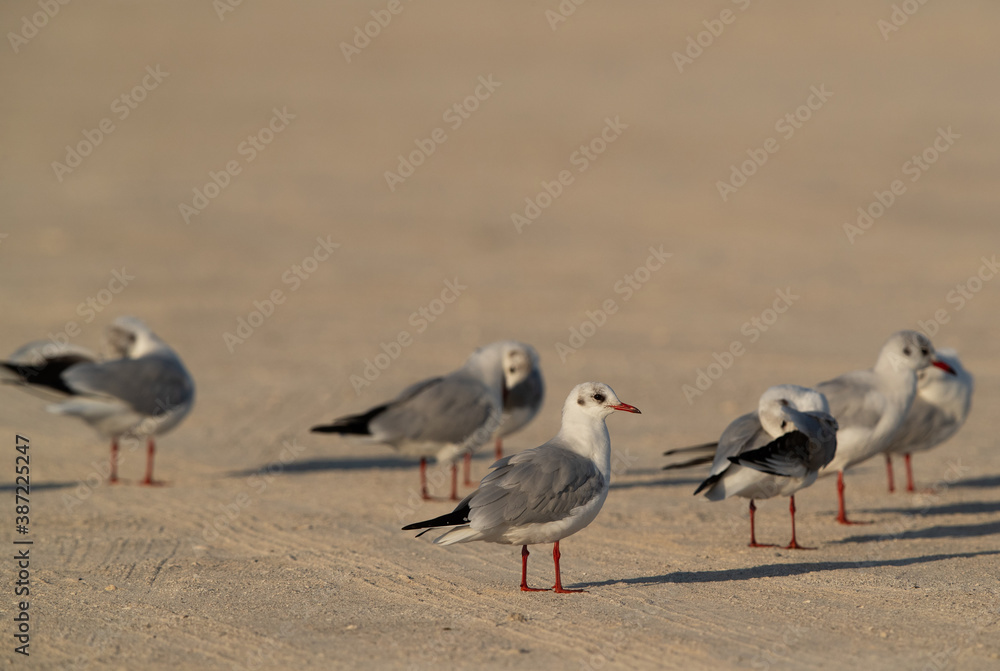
x=625 y=407
x=943 y=366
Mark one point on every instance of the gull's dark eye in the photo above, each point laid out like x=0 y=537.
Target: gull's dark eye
x=924 y=351
x=513 y=369
x=783 y=423
x=906 y=351
x=600 y=398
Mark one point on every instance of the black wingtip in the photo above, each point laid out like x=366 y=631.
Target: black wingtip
x=709 y=481
x=324 y=428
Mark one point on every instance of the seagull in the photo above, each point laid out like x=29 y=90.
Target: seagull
x=544 y=494
x=524 y=399
x=870 y=405
x=144 y=391
x=774 y=451
x=444 y=417
x=939 y=410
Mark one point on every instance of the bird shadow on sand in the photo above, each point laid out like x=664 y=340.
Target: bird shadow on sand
x=319 y=465
x=779 y=570
x=985 y=482
x=661 y=482
x=40 y=485
x=939 y=531
x=967 y=508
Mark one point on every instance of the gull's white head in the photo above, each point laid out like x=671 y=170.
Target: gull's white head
x=907 y=351
x=594 y=399
x=781 y=408
x=803 y=399
x=519 y=361
x=130 y=338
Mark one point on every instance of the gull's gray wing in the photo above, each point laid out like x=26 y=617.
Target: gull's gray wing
x=743 y=433
x=43 y=362
x=540 y=485
x=442 y=410
x=787 y=455
x=151 y=385
x=924 y=426
x=854 y=400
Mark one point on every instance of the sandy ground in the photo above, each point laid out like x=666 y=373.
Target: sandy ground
x=276 y=548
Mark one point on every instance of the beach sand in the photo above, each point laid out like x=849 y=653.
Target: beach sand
x=276 y=548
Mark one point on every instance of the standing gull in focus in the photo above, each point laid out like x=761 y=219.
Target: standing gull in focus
x=544 y=494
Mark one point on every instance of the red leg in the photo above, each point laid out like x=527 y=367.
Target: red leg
x=524 y=573
x=794 y=544
x=888 y=470
x=423 y=480
x=113 y=478
x=499 y=448
x=909 y=472
x=150 y=452
x=454 y=481
x=558 y=586
x=468 y=470
x=753 y=537
x=841 y=513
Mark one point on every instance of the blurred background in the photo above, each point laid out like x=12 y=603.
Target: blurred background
x=117 y=115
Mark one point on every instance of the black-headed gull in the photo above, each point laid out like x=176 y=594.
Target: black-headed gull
x=144 y=392
x=544 y=494
x=870 y=405
x=524 y=399
x=523 y=394
x=774 y=451
x=939 y=410
x=444 y=417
